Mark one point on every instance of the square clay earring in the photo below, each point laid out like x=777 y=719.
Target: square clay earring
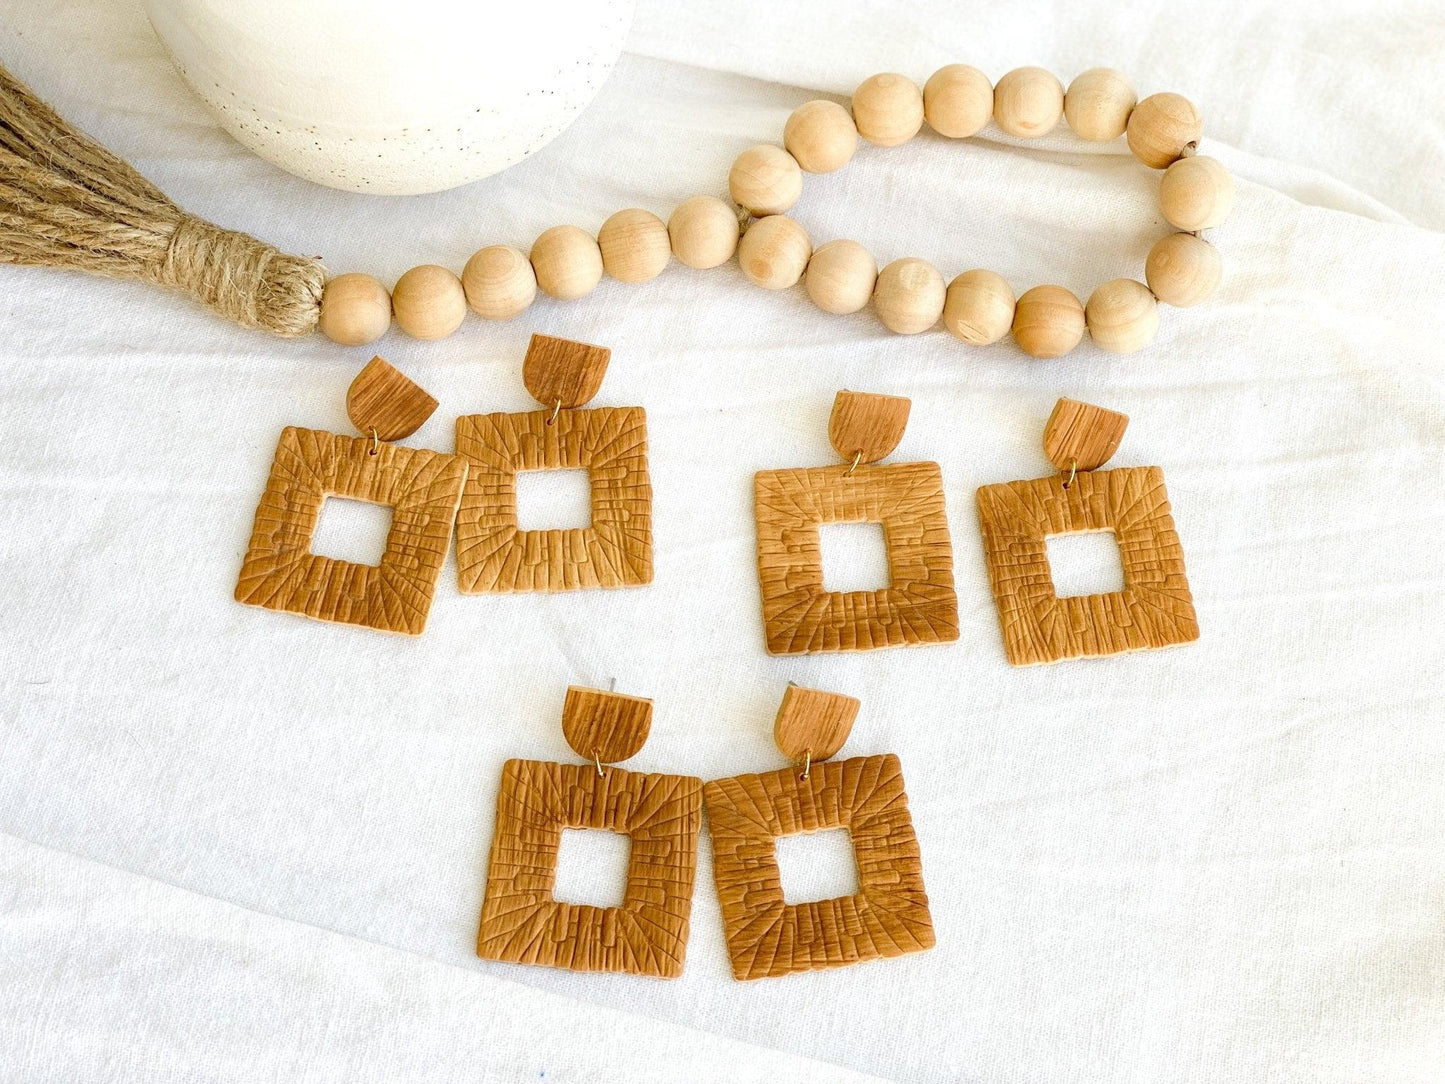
x=521 y=920
x=610 y=443
x=1154 y=609
x=888 y=916
x=422 y=487
x=919 y=605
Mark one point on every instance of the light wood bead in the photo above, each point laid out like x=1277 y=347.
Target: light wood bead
x=499 y=282
x=1183 y=270
x=635 y=246
x=1161 y=126
x=1048 y=322
x=355 y=310
x=704 y=232
x=957 y=101
x=1196 y=193
x=909 y=295
x=821 y=136
x=1122 y=316
x=888 y=109
x=979 y=307
x=429 y=302
x=840 y=277
x=765 y=180
x=774 y=252
x=1028 y=102
x=567 y=261
x=1098 y=103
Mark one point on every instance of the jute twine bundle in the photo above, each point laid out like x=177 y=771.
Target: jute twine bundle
x=65 y=201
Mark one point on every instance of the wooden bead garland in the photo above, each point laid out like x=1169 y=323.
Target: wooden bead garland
x=909 y=295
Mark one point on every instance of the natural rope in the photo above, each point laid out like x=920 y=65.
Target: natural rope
x=65 y=201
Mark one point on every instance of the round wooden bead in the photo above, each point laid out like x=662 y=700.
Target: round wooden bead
x=499 y=282
x=979 y=307
x=1098 y=103
x=1028 y=102
x=567 y=261
x=821 y=136
x=765 y=180
x=957 y=101
x=1183 y=270
x=1161 y=126
x=840 y=277
x=1048 y=322
x=908 y=296
x=355 y=310
x=888 y=109
x=774 y=252
x=703 y=231
x=1122 y=316
x=429 y=302
x=635 y=246
x=1196 y=193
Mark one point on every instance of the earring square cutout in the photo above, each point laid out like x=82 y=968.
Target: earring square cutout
x=423 y=489
x=765 y=935
x=917 y=607
x=1155 y=608
x=521 y=920
x=495 y=555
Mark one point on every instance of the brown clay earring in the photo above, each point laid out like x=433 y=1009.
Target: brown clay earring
x=422 y=487
x=888 y=916
x=919 y=605
x=1154 y=609
x=610 y=443
x=521 y=920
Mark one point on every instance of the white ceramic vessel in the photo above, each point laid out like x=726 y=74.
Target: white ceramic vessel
x=393 y=96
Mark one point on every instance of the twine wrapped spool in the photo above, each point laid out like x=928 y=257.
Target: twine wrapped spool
x=65 y=201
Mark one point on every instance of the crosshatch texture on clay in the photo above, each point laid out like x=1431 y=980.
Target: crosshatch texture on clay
x=422 y=487
x=889 y=914
x=1154 y=609
x=647 y=935
x=917 y=607
x=493 y=555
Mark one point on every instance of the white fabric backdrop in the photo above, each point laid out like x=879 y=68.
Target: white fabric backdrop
x=246 y=845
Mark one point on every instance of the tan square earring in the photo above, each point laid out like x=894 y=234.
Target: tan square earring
x=521 y=920
x=888 y=916
x=610 y=443
x=1154 y=609
x=422 y=487
x=919 y=605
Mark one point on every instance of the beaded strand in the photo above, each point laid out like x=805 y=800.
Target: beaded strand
x=910 y=295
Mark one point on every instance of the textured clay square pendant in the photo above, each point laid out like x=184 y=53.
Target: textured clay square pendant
x=610 y=443
x=661 y=814
x=888 y=916
x=422 y=488
x=919 y=605
x=1153 y=610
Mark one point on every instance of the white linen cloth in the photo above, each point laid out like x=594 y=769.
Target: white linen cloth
x=246 y=846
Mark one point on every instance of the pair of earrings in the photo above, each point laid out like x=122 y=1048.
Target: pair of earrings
x=475 y=489
x=522 y=922
x=1153 y=609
